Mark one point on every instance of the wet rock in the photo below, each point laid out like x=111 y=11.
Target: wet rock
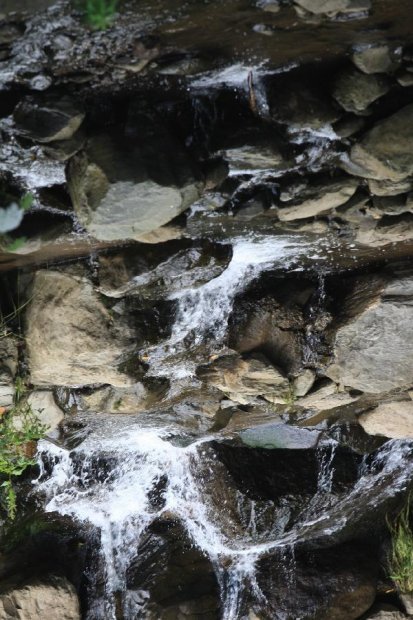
x=355 y=91
x=176 y=575
x=405 y=79
x=126 y=188
x=325 y=198
x=386 y=151
x=48 y=121
x=334 y=584
x=348 y=126
x=71 y=337
x=373 y=351
x=375 y=59
x=270 y=328
x=111 y=399
x=392 y=420
x=301 y=108
x=52 y=597
x=387 y=615
x=272 y=436
x=243 y=379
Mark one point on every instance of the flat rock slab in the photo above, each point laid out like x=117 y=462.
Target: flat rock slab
x=393 y=420
x=272 y=436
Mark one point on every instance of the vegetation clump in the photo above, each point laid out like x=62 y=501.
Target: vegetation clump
x=400 y=561
x=20 y=428
x=99 y=13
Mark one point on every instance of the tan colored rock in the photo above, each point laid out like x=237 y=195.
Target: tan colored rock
x=117 y=400
x=325 y=398
x=71 y=337
x=54 y=598
x=393 y=420
x=242 y=380
x=325 y=199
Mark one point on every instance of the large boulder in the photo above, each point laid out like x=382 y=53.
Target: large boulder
x=51 y=597
x=386 y=151
x=390 y=419
x=71 y=336
x=373 y=351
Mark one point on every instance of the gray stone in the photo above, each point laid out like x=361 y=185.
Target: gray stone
x=54 y=597
x=373 y=352
x=6 y=395
x=272 y=436
x=71 y=337
x=324 y=199
x=375 y=59
x=385 y=152
x=355 y=91
x=389 y=188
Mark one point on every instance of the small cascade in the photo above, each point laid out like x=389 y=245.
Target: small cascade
x=122 y=479
x=203 y=312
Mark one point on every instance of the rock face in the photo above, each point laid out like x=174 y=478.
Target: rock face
x=54 y=598
x=373 y=352
x=386 y=152
x=71 y=338
x=44 y=406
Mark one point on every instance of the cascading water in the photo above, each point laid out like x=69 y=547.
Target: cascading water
x=108 y=482
x=203 y=312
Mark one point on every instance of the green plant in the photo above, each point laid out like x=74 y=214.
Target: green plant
x=19 y=428
x=400 y=560
x=99 y=13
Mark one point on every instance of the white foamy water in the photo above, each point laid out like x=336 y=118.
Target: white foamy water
x=203 y=312
x=109 y=483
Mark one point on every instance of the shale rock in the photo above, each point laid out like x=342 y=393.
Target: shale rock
x=386 y=152
x=373 y=351
x=355 y=91
x=71 y=337
x=270 y=436
x=54 y=597
x=48 y=122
